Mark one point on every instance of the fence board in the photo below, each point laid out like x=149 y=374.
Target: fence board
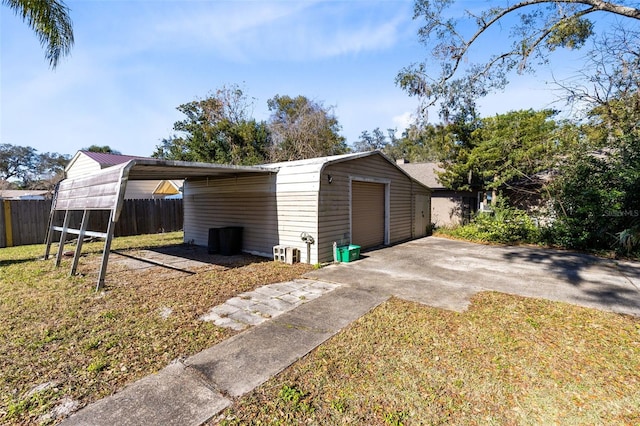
x=146 y=216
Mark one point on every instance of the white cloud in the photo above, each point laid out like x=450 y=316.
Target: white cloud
x=275 y=30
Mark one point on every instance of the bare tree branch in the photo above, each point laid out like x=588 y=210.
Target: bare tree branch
x=561 y=24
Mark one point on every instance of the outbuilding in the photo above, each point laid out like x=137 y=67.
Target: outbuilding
x=362 y=198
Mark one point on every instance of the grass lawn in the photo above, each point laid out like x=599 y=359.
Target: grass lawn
x=507 y=360
x=64 y=345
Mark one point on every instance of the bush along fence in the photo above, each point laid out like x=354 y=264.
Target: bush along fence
x=25 y=222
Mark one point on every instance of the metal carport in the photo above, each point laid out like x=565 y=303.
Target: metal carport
x=105 y=190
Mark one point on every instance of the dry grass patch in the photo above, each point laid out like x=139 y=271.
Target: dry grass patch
x=62 y=344
x=508 y=360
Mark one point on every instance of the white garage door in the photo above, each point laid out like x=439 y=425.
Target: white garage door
x=367 y=214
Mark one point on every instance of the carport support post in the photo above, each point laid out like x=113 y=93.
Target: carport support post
x=107 y=249
x=63 y=237
x=83 y=229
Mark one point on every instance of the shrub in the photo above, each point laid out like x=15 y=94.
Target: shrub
x=503 y=224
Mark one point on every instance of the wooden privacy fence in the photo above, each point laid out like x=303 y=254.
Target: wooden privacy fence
x=25 y=222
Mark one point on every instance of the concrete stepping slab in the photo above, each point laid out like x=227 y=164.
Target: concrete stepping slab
x=270 y=301
x=246 y=317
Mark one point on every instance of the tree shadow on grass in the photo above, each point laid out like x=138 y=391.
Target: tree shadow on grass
x=9 y=262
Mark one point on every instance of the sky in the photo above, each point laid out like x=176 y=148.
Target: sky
x=135 y=61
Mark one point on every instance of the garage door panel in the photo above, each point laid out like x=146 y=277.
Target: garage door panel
x=367 y=214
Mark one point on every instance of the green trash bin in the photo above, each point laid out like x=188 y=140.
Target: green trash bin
x=348 y=253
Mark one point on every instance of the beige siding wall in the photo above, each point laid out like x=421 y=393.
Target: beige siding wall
x=334 y=213
x=297 y=202
x=249 y=202
x=276 y=209
x=83 y=166
x=450 y=208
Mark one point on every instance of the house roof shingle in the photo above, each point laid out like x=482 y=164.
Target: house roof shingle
x=424 y=173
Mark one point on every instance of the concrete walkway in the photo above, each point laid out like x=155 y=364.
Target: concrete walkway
x=433 y=271
x=193 y=390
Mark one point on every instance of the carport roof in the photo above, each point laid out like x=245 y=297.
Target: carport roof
x=154 y=169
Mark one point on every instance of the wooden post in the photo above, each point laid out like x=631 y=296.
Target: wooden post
x=8 y=223
x=83 y=229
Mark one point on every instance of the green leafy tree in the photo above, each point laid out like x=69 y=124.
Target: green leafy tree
x=218 y=129
x=16 y=162
x=301 y=128
x=541 y=27
x=24 y=168
x=596 y=195
x=501 y=150
x=105 y=149
x=51 y=22
x=376 y=140
x=424 y=143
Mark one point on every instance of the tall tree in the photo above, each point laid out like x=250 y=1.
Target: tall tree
x=27 y=169
x=503 y=149
x=596 y=195
x=422 y=143
x=541 y=27
x=302 y=128
x=218 y=129
x=16 y=162
x=376 y=140
x=48 y=172
x=51 y=22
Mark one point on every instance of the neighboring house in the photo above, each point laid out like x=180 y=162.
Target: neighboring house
x=528 y=193
x=19 y=194
x=448 y=207
x=85 y=163
x=361 y=198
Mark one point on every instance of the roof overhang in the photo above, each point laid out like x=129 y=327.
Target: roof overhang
x=152 y=169
x=353 y=156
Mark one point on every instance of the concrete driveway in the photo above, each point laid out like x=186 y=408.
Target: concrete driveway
x=446 y=273
x=433 y=271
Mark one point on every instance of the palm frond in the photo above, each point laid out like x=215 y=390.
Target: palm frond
x=51 y=22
